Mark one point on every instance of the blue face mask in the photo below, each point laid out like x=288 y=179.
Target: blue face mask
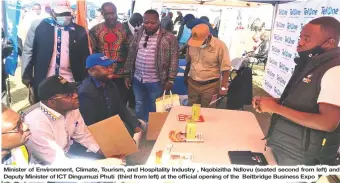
x=63 y=21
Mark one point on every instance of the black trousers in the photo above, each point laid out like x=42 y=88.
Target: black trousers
x=284 y=159
x=126 y=95
x=77 y=151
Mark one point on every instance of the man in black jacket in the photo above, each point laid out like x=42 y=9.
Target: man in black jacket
x=99 y=97
x=54 y=46
x=305 y=122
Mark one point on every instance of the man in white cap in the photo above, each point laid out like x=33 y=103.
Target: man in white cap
x=54 y=46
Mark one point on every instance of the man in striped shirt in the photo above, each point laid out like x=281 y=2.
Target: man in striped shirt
x=152 y=63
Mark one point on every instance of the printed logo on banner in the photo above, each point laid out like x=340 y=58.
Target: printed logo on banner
x=275 y=50
x=286 y=53
x=310 y=12
x=329 y=10
x=283 y=12
x=268 y=85
x=289 y=40
x=284 y=68
x=270 y=73
x=277 y=38
x=281 y=80
x=273 y=62
x=277 y=91
x=280 y=25
x=292 y=27
x=295 y=12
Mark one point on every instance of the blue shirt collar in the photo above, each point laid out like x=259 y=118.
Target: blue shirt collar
x=97 y=82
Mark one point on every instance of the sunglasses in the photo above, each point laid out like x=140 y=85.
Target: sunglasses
x=146 y=40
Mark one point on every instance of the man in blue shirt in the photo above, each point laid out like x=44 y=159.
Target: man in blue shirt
x=99 y=97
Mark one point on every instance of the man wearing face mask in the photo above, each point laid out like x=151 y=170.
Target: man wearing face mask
x=54 y=46
x=305 y=122
x=209 y=65
x=110 y=38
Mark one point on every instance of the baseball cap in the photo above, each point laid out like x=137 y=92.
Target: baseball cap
x=61 y=7
x=198 y=34
x=98 y=59
x=54 y=85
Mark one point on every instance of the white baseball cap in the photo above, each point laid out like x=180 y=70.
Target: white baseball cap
x=61 y=9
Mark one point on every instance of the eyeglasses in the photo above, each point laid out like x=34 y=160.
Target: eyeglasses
x=18 y=128
x=146 y=39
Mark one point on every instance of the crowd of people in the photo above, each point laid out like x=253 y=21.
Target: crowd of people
x=133 y=63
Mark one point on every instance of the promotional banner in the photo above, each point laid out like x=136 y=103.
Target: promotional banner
x=290 y=19
x=11 y=16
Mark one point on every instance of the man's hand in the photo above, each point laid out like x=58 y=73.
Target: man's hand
x=110 y=162
x=128 y=82
x=265 y=104
x=223 y=91
x=168 y=86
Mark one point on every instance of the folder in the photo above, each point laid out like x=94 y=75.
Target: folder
x=112 y=137
x=155 y=124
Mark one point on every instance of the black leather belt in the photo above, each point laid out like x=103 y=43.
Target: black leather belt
x=206 y=82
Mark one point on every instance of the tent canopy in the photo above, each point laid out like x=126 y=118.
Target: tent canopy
x=236 y=3
x=215 y=2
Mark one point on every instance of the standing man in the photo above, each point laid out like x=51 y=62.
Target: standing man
x=167 y=23
x=132 y=26
x=54 y=46
x=152 y=64
x=179 y=18
x=209 y=65
x=110 y=38
x=14 y=134
x=305 y=125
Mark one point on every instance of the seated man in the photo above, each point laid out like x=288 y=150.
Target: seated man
x=14 y=134
x=261 y=51
x=56 y=123
x=100 y=98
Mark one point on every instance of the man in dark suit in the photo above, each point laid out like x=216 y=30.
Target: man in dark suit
x=99 y=97
x=54 y=46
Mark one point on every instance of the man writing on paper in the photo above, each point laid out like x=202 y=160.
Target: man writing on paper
x=14 y=134
x=207 y=60
x=57 y=123
x=99 y=96
x=305 y=122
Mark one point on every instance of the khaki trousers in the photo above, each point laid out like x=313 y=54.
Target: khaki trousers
x=202 y=94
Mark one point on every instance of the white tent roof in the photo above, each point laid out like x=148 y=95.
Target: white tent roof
x=237 y=3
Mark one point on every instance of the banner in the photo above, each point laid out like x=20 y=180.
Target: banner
x=11 y=17
x=290 y=19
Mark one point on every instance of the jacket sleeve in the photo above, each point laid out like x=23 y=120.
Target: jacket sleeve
x=85 y=53
x=27 y=54
x=93 y=40
x=173 y=69
x=86 y=108
x=180 y=32
x=263 y=51
x=128 y=68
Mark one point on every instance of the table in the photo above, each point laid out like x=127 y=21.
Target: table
x=223 y=131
